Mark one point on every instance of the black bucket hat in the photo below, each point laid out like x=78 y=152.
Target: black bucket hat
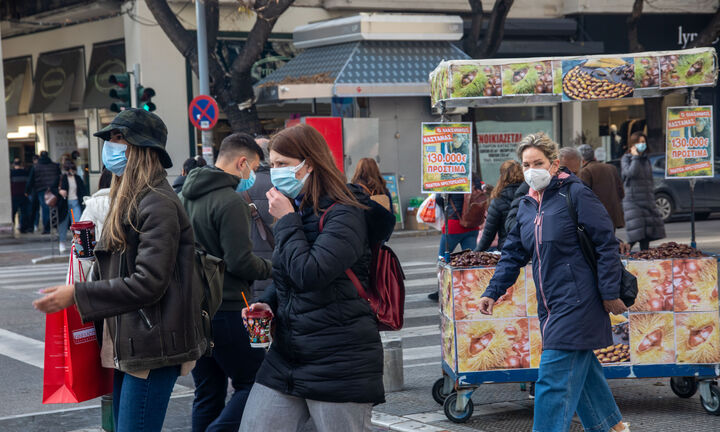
x=140 y=128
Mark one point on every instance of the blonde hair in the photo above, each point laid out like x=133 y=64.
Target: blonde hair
x=541 y=142
x=143 y=166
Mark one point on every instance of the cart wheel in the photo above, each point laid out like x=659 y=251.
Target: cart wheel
x=712 y=406
x=451 y=411
x=437 y=391
x=684 y=387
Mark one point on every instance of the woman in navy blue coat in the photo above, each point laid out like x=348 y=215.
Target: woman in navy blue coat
x=573 y=303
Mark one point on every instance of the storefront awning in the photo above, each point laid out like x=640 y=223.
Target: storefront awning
x=59 y=80
x=107 y=58
x=18 y=82
x=358 y=69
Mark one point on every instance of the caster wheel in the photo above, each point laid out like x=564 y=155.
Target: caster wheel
x=453 y=414
x=712 y=405
x=437 y=391
x=684 y=387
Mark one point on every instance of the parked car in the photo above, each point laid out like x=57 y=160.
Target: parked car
x=672 y=196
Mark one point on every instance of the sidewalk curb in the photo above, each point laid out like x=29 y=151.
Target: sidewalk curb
x=414 y=233
x=410 y=423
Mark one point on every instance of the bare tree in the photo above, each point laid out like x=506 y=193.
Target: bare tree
x=490 y=43
x=230 y=86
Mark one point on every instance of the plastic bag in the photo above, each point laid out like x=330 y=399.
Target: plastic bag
x=430 y=213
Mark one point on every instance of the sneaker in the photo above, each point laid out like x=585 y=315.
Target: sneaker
x=62 y=247
x=625 y=428
x=434 y=296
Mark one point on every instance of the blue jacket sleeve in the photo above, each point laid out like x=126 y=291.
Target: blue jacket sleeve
x=593 y=216
x=514 y=257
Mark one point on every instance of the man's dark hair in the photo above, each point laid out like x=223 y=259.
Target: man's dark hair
x=44 y=154
x=239 y=142
x=192 y=163
x=17 y=162
x=69 y=165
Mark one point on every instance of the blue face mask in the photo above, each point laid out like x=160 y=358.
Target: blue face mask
x=247 y=183
x=284 y=180
x=641 y=147
x=113 y=157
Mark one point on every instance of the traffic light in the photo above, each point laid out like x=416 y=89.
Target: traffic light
x=121 y=91
x=144 y=98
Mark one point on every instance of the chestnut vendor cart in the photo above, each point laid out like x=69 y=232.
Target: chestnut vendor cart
x=673 y=330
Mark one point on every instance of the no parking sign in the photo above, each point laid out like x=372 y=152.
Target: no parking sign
x=203 y=112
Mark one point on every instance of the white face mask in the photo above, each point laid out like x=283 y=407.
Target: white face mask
x=537 y=178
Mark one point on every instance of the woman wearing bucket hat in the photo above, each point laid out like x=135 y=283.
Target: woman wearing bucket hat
x=141 y=293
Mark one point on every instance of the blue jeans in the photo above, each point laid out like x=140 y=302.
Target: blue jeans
x=569 y=382
x=466 y=241
x=139 y=405
x=40 y=196
x=73 y=205
x=232 y=358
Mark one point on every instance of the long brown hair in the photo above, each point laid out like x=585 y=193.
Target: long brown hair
x=510 y=173
x=367 y=173
x=304 y=142
x=143 y=167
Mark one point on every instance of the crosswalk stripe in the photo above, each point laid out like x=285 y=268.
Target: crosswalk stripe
x=421 y=353
x=22 y=348
x=432 y=264
x=421 y=282
x=422 y=312
x=34 y=270
x=408 y=332
x=412 y=272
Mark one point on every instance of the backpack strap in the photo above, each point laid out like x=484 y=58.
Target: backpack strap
x=263 y=229
x=586 y=245
x=348 y=272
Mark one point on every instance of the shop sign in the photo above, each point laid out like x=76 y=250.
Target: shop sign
x=689 y=142
x=497 y=142
x=565 y=79
x=392 y=186
x=56 y=78
x=446 y=157
x=16 y=72
x=107 y=58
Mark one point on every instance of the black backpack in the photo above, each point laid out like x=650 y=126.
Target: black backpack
x=209 y=274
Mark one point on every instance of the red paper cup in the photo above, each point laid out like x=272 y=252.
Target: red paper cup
x=258 y=327
x=84 y=238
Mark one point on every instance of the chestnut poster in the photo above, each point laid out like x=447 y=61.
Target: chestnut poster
x=674 y=319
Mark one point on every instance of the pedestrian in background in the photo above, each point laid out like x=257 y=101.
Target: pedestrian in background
x=571 y=159
x=367 y=176
x=261 y=227
x=511 y=177
x=221 y=221
x=573 y=301
x=604 y=180
x=189 y=165
x=643 y=222
x=45 y=176
x=98 y=204
x=20 y=202
x=141 y=296
x=72 y=189
x=326 y=358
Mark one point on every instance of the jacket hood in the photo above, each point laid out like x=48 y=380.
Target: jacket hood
x=380 y=222
x=204 y=180
x=101 y=192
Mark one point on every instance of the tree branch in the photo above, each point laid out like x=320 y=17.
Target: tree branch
x=709 y=34
x=212 y=23
x=470 y=44
x=268 y=12
x=181 y=38
x=632 y=24
x=496 y=28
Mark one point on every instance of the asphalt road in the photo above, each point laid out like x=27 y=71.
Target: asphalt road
x=498 y=407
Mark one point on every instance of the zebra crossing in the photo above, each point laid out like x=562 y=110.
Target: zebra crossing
x=421 y=334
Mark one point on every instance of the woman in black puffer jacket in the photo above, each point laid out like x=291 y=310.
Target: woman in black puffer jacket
x=643 y=222
x=511 y=177
x=326 y=347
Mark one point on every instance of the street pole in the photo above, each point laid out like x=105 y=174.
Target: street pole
x=6 y=222
x=207 y=138
x=692 y=101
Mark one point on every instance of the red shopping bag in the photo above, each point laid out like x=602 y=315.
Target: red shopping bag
x=73 y=372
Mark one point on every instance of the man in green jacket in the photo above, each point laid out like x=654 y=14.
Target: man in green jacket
x=221 y=221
